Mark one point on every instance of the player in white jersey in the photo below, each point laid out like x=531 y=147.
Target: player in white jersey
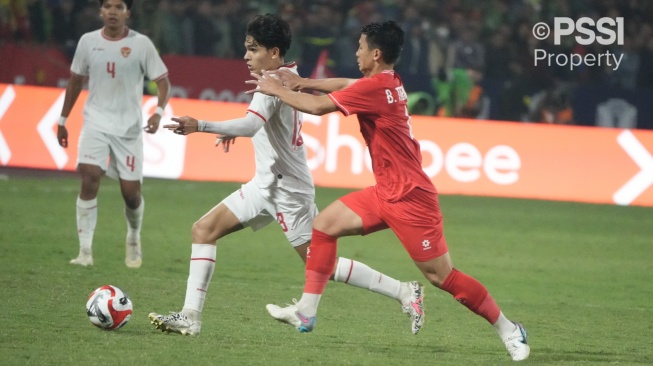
x=115 y=59
x=282 y=189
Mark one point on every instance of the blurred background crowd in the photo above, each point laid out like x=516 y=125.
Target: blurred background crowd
x=456 y=53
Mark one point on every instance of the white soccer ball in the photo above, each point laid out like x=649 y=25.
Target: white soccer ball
x=109 y=307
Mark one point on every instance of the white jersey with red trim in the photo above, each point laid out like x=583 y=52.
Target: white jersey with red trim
x=279 y=149
x=115 y=68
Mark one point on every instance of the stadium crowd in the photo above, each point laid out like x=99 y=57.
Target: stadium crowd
x=456 y=51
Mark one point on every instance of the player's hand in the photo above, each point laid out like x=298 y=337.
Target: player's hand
x=289 y=79
x=152 y=123
x=226 y=142
x=62 y=136
x=185 y=125
x=265 y=83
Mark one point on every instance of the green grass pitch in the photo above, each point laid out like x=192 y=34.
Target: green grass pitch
x=578 y=276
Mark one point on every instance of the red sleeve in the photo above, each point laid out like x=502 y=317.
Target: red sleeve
x=356 y=98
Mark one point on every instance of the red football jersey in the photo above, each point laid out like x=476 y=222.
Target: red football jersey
x=380 y=105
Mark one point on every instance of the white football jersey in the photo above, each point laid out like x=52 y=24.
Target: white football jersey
x=115 y=68
x=278 y=146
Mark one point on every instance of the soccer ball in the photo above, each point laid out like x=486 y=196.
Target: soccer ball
x=109 y=307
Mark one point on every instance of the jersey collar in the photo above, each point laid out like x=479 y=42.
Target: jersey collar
x=114 y=39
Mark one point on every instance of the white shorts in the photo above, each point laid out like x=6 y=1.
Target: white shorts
x=255 y=208
x=119 y=157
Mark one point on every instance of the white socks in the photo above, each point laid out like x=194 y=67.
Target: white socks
x=360 y=275
x=134 y=222
x=356 y=274
x=86 y=221
x=202 y=264
x=504 y=327
x=307 y=305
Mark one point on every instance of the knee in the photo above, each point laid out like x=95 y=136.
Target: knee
x=436 y=280
x=133 y=201
x=90 y=179
x=90 y=183
x=332 y=226
x=131 y=194
x=202 y=233
x=320 y=224
x=198 y=232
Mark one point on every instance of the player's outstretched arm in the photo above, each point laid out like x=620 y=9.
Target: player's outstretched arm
x=307 y=103
x=246 y=126
x=295 y=82
x=185 y=125
x=327 y=85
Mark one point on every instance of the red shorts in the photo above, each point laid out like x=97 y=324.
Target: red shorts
x=415 y=219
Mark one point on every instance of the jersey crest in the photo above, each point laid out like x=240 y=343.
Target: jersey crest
x=125 y=51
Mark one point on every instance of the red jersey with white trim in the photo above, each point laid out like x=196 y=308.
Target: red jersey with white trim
x=380 y=105
x=116 y=68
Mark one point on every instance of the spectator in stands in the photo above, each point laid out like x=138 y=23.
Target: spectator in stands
x=553 y=108
x=5 y=23
x=144 y=16
x=205 y=33
x=645 y=76
x=345 y=46
x=240 y=10
x=64 y=24
x=498 y=56
x=465 y=64
x=173 y=30
x=38 y=21
x=415 y=57
x=322 y=24
x=319 y=34
x=222 y=14
x=363 y=12
x=289 y=12
x=513 y=94
x=624 y=76
x=87 y=19
x=19 y=20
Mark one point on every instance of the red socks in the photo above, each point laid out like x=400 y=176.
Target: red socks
x=320 y=262
x=471 y=293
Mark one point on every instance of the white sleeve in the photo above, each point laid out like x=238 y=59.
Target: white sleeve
x=79 y=65
x=246 y=126
x=155 y=69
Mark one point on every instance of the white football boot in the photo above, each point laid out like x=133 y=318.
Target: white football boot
x=133 y=255
x=84 y=259
x=175 y=323
x=517 y=344
x=414 y=305
x=291 y=315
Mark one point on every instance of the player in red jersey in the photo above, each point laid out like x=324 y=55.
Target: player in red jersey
x=403 y=199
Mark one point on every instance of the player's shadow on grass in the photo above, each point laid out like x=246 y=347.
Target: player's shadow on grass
x=556 y=356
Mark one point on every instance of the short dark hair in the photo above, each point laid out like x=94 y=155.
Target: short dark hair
x=388 y=37
x=127 y=2
x=270 y=31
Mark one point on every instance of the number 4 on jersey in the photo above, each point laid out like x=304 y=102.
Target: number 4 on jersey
x=111 y=69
